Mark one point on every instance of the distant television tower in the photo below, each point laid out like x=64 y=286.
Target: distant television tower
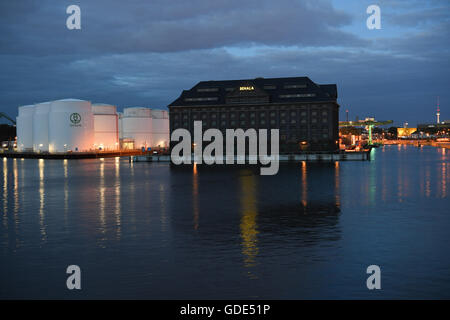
x=438 y=113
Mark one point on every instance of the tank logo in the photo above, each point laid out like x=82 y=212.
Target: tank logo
x=75 y=118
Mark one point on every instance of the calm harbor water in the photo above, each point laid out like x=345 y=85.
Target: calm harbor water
x=152 y=231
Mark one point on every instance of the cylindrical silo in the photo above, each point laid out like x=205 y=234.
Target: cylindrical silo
x=120 y=116
x=106 y=127
x=40 y=126
x=160 y=128
x=24 y=127
x=137 y=126
x=71 y=126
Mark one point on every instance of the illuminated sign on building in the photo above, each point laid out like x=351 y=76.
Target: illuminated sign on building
x=246 y=88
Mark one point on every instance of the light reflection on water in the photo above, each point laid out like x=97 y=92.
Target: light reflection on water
x=200 y=232
x=248 y=223
x=41 y=164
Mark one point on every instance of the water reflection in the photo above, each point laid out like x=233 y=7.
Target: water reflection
x=248 y=224
x=5 y=192
x=337 y=183
x=310 y=219
x=427 y=181
x=304 y=185
x=117 y=211
x=16 y=201
x=372 y=182
x=132 y=190
x=195 y=208
x=43 y=227
x=102 y=201
x=16 y=189
x=444 y=179
x=66 y=191
x=300 y=206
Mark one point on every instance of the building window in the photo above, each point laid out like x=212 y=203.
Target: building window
x=295 y=86
x=207 y=89
x=299 y=95
x=270 y=87
x=247 y=100
x=201 y=99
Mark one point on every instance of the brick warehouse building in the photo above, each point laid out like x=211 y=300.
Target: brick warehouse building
x=306 y=113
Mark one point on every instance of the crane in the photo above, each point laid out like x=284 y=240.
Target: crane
x=3 y=115
x=370 y=123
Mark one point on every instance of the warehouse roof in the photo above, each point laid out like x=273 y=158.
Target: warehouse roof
x=256 y=91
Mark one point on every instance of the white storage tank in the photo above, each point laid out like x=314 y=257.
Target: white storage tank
x=71 y=126
x=137 y=126
x=160 y=128
x=40 y=127
x=106 y=127
x=24 y=127
x=120 y=116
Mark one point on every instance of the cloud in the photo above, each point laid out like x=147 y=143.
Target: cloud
x=418 y=18
x=161 y=26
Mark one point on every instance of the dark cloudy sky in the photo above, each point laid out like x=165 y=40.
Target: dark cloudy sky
x=144 y=52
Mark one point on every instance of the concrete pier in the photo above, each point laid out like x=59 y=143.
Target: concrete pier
x=71 y=155
x=292 y=158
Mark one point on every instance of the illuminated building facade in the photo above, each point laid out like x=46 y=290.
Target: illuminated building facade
x=305 y=113
x=405 y=132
